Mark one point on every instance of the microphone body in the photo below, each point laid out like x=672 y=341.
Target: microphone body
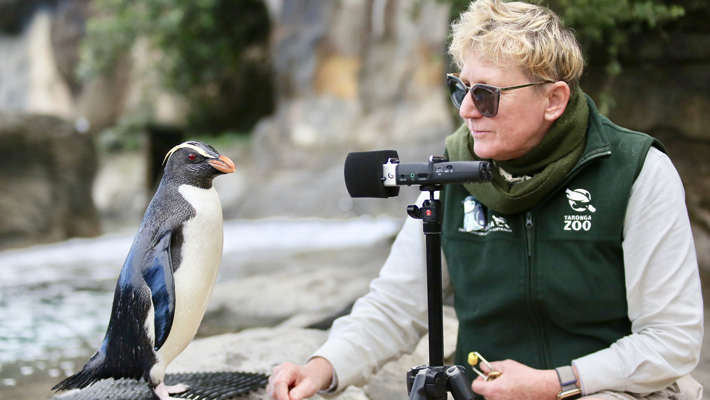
x=379 y=173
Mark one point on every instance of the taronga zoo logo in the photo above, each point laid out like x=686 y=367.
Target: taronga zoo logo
x=580 y=201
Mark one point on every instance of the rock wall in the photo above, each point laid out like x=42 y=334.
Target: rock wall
x=31 y=81
x=351 y=76
x=45 y=177
x=357 y=74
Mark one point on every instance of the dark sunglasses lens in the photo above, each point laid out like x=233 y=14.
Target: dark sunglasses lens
x=486 y=101
x=458 y=91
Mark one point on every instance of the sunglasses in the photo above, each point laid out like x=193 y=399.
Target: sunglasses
x=485 y=97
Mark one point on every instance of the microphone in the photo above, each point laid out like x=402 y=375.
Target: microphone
x=364 y=172
x=379 y=173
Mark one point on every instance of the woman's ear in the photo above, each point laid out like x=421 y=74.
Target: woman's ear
x=557 y=99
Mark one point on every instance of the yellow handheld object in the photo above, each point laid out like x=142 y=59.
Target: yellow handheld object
x=473 y=358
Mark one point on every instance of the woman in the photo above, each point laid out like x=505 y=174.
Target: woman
x=583 y=278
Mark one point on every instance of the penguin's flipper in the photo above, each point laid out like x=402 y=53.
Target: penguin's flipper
x=158 y=274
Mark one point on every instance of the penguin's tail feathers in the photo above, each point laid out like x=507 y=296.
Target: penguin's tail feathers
x=92 y=372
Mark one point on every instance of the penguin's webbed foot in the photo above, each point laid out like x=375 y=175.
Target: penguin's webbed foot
x=175 y=389
x=163 y=391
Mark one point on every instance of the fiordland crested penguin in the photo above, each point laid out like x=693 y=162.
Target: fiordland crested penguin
x=168 y=276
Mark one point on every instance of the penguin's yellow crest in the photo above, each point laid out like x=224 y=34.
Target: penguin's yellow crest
x=186 y=145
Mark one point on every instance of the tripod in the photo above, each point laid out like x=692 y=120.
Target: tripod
x=433 y=381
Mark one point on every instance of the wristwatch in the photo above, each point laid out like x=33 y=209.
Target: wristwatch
x=568 y=383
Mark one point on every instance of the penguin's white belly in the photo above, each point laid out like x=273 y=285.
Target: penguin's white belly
x=203 y=238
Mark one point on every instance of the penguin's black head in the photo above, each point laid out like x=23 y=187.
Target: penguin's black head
x=196 y=164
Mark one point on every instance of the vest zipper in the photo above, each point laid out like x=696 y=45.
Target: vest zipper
x=529 y=235
x=529 y=232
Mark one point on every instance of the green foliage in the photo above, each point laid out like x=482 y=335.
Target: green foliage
x=209 y=51
x=603 y=21
x=600 y=21
x=609 y=24
x=604 y=24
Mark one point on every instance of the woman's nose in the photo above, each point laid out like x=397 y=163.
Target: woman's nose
x=468 y=109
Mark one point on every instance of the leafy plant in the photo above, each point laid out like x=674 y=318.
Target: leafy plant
x=211 y=52
x=609 y=24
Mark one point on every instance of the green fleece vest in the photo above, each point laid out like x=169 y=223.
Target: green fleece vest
x=546 y=286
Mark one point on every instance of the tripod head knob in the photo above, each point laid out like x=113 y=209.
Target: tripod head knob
x=427 y=383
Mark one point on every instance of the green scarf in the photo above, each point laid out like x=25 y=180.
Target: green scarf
x=542 y=169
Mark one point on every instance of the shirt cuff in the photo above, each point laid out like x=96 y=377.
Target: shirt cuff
x=599 y=371
x=333 y=385
x=343 y=357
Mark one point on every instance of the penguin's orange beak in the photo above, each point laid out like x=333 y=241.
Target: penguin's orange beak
x=224 y=165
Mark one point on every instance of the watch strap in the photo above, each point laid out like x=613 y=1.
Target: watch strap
x=568 y=383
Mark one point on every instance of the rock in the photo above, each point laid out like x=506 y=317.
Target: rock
x=254 y=350
x=120 y=191
x=31 y=82
x=261 y=349
x=14 y=13
x=310 y=288
x=46 y=176
x=356 y=76
x=68 y=28
x=359 y=75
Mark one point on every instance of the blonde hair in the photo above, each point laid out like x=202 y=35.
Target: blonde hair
x=531 y=36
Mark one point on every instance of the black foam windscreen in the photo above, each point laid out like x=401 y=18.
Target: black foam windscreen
x=363 y=174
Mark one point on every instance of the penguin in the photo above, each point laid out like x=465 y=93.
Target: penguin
x=168 y=276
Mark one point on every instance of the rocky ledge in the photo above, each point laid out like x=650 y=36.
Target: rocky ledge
x=261 y=349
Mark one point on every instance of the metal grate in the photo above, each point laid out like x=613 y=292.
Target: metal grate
x=203 y=386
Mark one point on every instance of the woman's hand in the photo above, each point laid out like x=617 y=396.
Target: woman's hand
x=294 y=382
x=517 y=382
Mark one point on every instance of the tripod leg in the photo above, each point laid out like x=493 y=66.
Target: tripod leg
x=459 y=386
x=418 y=387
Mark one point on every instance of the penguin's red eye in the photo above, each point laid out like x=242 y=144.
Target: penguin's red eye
x=191 y=156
